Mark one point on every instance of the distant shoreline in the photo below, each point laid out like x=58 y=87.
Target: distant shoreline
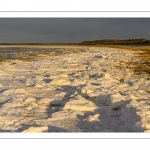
x=140 y=41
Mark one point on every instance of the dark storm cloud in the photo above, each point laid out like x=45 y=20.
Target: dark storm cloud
x=71 y=30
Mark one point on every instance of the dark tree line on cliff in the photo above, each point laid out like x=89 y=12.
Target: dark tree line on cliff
x=140 y=41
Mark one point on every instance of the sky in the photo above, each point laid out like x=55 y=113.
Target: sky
x=71 y=30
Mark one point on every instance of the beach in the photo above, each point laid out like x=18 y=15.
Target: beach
x=77 y=89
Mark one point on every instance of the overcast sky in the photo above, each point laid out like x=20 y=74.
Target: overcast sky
x=71 y=30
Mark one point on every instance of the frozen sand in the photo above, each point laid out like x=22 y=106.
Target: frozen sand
x=76 y=92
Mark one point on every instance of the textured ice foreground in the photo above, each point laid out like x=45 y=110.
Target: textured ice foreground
x=90 y=91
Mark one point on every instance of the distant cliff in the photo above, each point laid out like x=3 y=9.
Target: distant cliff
x=140 y=41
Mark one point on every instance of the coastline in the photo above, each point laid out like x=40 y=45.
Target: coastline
x=90 y=89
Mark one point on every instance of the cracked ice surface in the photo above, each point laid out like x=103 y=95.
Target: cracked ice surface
x=74 y=92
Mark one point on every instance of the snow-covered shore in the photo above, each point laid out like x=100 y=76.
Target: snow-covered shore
x=88 y=91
